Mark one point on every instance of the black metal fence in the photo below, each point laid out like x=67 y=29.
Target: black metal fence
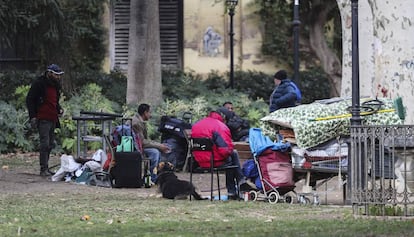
x=382 y=170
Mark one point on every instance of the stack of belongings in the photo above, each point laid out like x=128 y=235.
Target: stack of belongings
x=319 y=131
x=81 y=170
x=173 y=135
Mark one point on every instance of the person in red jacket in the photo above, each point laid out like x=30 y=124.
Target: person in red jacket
x=213 y=126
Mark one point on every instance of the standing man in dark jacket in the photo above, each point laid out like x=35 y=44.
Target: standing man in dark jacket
x=284 y=95
x=44 y=110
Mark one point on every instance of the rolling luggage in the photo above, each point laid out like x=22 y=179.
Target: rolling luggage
x=126 y=171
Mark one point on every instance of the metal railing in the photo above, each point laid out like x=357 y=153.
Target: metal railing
x=382 y=170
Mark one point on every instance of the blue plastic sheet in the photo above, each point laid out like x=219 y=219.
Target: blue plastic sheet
x=259 y=143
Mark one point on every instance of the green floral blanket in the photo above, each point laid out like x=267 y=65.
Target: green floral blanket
x=318 y=122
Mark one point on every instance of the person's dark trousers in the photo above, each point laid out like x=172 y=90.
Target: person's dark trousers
x=47 y=139
x=233 y=174
x=178 y=152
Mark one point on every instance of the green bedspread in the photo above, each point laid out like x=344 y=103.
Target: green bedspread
x=316 y=123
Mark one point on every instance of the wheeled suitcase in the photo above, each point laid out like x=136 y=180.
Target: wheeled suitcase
x=126 y=173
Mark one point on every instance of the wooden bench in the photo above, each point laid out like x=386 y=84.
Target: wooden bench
x=243 y=148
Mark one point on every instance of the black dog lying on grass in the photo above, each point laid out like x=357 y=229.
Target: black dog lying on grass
x=170 y=186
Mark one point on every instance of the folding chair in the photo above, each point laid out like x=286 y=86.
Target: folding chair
x=206 y=144
x=187 y=135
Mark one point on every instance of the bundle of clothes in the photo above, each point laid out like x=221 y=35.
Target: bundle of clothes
x=87 y=171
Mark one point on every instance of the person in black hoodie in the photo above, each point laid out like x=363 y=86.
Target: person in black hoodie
x=42 y=102
x=239 y=127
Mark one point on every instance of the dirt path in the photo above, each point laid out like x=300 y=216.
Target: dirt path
x=19 y=175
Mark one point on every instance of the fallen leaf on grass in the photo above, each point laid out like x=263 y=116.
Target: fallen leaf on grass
x=172 y=209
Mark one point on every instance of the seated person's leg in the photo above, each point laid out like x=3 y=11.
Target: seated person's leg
x=234 y=160
x=231 y=182
x=172 y=156
x=233 y=174
x=153 y=155
x=236 y=174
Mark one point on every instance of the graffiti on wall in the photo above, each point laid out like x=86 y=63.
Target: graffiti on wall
x=408 y=64
x=407 y=71
x=211 y=42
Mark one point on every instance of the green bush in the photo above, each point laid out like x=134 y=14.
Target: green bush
x=10 y=80
x=257 y=85
x=113 y=84
x=188 y=92
x=314 y=85
x=15 y=134
x=181 y=85
x=183 y=92
x=14 y=122
x=19 y=99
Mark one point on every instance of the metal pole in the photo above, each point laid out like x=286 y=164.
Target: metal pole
x=296 y=23
x=231 y=34
x=355 y=109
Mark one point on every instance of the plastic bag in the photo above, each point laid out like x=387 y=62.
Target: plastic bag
x=250 y=169
x=67 y=164
x=99 y=156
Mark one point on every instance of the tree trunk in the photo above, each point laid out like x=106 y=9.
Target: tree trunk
x=144 y=61
x=329 y=61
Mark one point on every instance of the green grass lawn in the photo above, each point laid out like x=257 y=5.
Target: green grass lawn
x=118 y=212
x=131 y=215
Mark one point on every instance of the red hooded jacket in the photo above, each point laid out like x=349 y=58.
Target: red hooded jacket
x=214 y=128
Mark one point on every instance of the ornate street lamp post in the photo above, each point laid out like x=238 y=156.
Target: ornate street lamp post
x=356 y=119
x=231 y=5
x=296 y=23
x=355 y=110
